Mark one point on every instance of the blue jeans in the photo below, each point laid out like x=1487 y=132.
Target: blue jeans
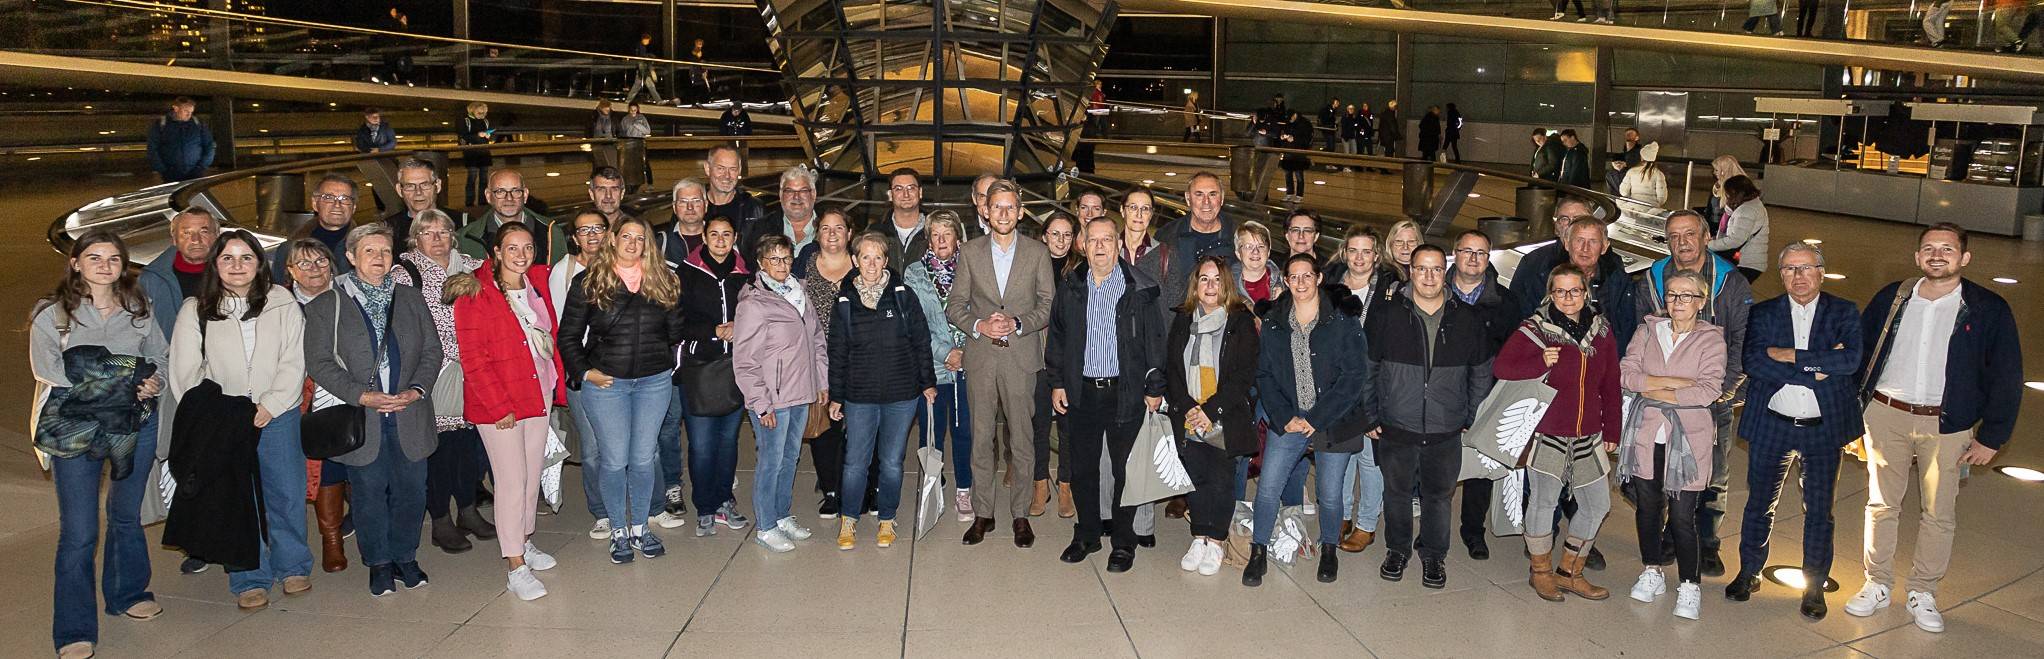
x=124 y=572
x=626 y=417
x=773 y=477
x=1363 y=509
x=876 y=431
x=388 y=498
x=280 y=464
x=713 y=459
x=1288 y=449
x=592 y=492
x=954 y=419
x=670 y=451
x=1295 y=481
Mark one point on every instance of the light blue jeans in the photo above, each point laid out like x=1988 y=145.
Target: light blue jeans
x=280 y=466
x=626 y=417
x=773 y=478
x=1364 y=508
x=592 y=490
x=1287 y=449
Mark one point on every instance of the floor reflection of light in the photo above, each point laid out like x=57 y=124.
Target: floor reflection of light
x=2005 y=280
x=2024 y=474
x=1791 y=576
x=1833 y=276
x=2035 y=384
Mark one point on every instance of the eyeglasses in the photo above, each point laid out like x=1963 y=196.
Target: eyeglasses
x=414 y=187
x=906 y=188
x=1127 y=208
x=1684 y=298
x=1800 y=270
x=334 y=199
x=1301 y=230
x=435 y=233
x=775 y=259
x=317 y=263
x=1253 y=249
x=689 y=201
x=590 y=230
x=506 y=192
x=1567 y=293
x=1471 y=253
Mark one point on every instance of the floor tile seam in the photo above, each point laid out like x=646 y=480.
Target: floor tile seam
x=1111 y=606
x=728 y=560
x=1330 y=614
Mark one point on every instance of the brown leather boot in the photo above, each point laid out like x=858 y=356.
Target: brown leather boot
x=328 y=507
x=1542 y=579
x=1354 y=540
x=1039 y=497
x=1064 y=501
x=1571 y=575
x=1175 y=507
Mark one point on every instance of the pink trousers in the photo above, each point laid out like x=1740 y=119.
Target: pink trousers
x=515 y=458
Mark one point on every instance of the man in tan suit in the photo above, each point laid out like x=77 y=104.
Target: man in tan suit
x=1001 y=300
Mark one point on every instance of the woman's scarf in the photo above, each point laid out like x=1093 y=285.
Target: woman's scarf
x=1203 y=360
x=869 y=295
x=941 y=272
x=375 y=300
x=1556 y=327
x=1681 y=462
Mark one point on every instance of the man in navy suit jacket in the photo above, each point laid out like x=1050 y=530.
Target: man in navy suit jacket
x=1802 y=350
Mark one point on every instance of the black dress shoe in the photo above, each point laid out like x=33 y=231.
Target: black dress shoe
x=1478 y=549
x=1433 y=573
x=1813 y=603
x=1121 y=559
x=1078 y=550
x=1252 y=574
x=1712 y=565
x=1742 y=587
x=1146 y=541
x=1330 y=564
x=977 y=533
x=1394 y=567
x=1595 y=560
x=1024 y=536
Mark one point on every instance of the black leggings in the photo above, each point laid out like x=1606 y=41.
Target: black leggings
x=454 y=470
x=1209 y=505
x=1561 y=5
x=1649 y=503
x=1295 y=182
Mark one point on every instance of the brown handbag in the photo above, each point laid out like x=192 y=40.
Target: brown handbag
x=819 y=420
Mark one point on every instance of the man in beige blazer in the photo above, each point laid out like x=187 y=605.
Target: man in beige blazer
x=1001 y=300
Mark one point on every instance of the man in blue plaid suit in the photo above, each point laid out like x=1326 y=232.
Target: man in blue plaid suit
x=1801 y=352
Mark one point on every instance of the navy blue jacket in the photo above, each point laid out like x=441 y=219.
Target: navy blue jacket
x=1836 y=324
x=1983 y=365
x=179 y=150
x=1342 y=378
x=1139 y=340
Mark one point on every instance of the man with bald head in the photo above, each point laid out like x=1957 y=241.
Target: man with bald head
x=507 y=196
x=723 y=168
x=1730 y=299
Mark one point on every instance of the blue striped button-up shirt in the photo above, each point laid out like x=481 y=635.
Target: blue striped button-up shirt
x=1101 y=347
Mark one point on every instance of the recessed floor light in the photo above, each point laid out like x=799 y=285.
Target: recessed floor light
x=1813 y=241
x=1320 y=183
x=1473 y=195
x=1170 y=173
x=2005 y=280
x=2024 y=474
x=552 y=174
x=1149 y=181
x=1833 y=275
x=2035 y=384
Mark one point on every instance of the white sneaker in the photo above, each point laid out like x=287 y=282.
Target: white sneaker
x=1871 y=597
x=964 y=503
x=1557 y=16
x=774 y=540
x=1924 y=609
x=667 y=520
x=1193 y=555
x=524 y=584
x=789 y=528
x=602 y=529
x=536 y=559
x=1689 y=601
x=1210 y=564
x=1651 y=584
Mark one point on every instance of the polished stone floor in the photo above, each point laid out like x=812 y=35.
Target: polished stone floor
x=724 y=596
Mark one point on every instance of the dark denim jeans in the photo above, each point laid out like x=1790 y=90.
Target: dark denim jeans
x=712 y=459
x=388 y=497
x=124 y=572
x=280 y=463
x=954 y=419
x=669 y=473
x=585 y=436
x=875 y=433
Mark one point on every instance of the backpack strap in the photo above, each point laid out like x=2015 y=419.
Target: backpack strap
x=1902 y=293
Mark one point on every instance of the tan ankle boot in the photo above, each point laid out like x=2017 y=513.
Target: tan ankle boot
x=1039 y=497
x=1542 y=579
x=1571 y=576
x=1064 y=501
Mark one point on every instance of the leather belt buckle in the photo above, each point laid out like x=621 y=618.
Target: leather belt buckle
x=1918 y=410
x=1799 y=422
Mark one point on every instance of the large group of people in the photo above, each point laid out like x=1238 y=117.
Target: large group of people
x=384 y=370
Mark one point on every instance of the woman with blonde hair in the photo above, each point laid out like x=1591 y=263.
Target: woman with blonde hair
x=617 y=336
x=1402 y=239
x=1676 y=366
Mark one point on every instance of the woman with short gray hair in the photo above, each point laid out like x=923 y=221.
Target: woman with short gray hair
x=386 y=362
x=456 y=468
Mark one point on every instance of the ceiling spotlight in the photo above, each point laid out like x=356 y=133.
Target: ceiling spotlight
x=1473 y=195
x=1149 y=182
x=1320 y=183
x=1792 y=577
x=2024 y=474
x=1812 y=241
x=2005 y=280
x=1170 y=173
x=552 y=174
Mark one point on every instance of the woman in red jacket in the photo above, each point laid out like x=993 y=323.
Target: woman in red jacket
x=1569 y=345
x=512 y=378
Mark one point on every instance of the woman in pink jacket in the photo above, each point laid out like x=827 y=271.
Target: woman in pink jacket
x=779 y=356
x=1676 y=366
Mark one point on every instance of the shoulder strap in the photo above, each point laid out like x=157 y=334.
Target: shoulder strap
x=413 y=270
x=1902 y=293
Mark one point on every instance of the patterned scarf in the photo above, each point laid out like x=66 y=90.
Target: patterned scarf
x=375 y=300
x=869 y=295
x=941 y=271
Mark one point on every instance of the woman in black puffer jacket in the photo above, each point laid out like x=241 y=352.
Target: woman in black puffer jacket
x=879 y=367
x=712 y=273
x=618 y=331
